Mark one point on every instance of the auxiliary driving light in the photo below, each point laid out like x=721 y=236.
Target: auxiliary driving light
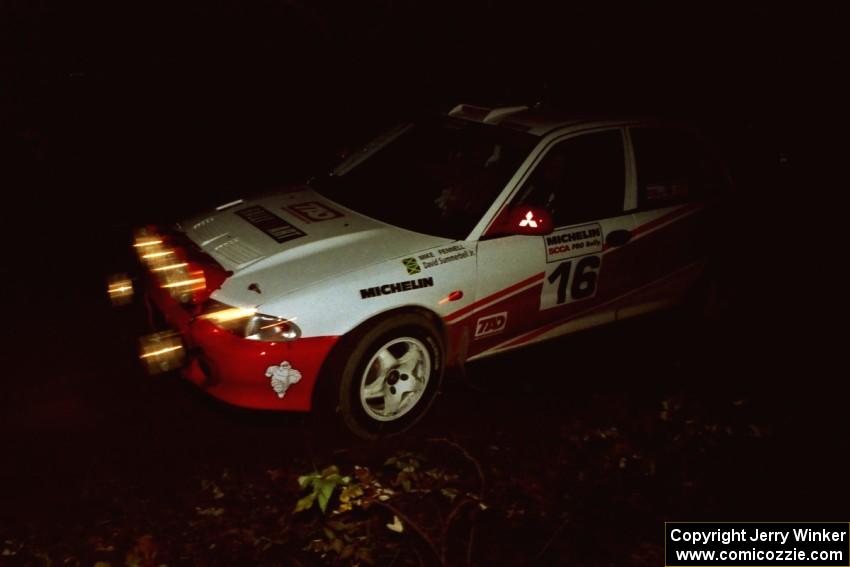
x=161 y=352
x=120 y=289
x=182 y=283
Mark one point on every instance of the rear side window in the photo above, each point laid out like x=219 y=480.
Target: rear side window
x=673 y=167
x=580 y=179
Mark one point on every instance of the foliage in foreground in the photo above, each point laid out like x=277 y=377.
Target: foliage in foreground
x=521 y=497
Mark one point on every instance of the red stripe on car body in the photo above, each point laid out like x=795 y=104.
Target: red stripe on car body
x=666 y=218
x=494 y=296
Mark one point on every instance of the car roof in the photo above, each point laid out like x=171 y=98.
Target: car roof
x=536 y=120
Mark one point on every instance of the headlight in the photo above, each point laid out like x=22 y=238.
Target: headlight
x=267 y=328
x=247 y=323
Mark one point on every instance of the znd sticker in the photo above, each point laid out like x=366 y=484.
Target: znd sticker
x=491 y=324
x=573 y=241
x=313 y=211
x=412 y=266
x=569 y=281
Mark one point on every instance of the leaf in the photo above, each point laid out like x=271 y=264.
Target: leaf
x=325 y=489
x=351 y=492
x=305 y=480
x=364 y=554
x=340 y=526
x=363 y=474
x=330 y=471
x=350 y=496
x=396 y=525
x=305 y=503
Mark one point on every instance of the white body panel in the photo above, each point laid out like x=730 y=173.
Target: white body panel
x=322 y=265
x=316 y=278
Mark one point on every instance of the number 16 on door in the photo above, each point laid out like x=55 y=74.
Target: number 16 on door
x=570 y=280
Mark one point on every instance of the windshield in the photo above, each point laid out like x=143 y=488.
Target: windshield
x=437 y=177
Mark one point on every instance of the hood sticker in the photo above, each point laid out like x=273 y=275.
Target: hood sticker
x=312 y=211
x=437 y=257
x=397 y=287
x=412 y=266
x=573 y=241
x=280 y=230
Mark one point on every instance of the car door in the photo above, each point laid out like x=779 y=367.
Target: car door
x=542 y=286
x=674 y=175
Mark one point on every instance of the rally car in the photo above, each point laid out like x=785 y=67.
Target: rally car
x=442 y=241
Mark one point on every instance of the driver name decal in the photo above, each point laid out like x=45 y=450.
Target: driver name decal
x=397 y=287
x=573 y=241
x=440 y=256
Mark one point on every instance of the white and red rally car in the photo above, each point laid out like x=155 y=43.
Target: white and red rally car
x=442 y=241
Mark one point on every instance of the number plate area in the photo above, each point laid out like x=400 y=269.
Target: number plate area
x=570 y=280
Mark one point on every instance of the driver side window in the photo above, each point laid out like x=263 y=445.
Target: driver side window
x=580 y=179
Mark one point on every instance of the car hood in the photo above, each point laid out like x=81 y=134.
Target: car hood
x=282 y=242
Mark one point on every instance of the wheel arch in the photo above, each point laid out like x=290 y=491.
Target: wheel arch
x=347 y=340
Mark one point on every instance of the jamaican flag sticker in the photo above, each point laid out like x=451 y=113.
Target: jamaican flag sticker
x=412 y=266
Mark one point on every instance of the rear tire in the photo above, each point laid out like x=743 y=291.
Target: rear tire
x=384 y=376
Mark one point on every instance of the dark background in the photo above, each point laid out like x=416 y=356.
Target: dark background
x=113 y=115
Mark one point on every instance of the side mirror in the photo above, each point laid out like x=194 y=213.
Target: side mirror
x=523 y=219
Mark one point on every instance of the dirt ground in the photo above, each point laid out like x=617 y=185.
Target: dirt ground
x=572 y=452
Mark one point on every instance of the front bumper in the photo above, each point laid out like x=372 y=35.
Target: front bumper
x=233 y=369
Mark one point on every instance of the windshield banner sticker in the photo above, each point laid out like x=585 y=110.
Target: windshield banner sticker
x=397 y=287
x=271 y=224
x=573 y=241
x=312 y=211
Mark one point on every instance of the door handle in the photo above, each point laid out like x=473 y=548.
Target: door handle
x=618 y=237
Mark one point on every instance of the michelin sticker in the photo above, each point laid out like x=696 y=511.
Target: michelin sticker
x=397 y=287
x=573 y=241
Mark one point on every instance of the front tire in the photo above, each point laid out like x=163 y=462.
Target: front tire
x=385 y=376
